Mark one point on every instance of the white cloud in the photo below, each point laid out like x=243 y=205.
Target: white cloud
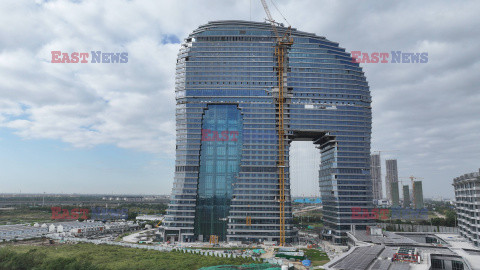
x=130 y=105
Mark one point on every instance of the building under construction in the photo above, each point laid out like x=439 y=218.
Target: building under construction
x=418 y=195
x=391 y=182
x=395 y=194
x=376 y=172
x=245 y=91
x=406 y=196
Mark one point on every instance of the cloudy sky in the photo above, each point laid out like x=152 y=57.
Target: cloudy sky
x=109 y=128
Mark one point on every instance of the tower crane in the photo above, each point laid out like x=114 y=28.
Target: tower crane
x=412 y=178
x=281 y=46
x=383 y=151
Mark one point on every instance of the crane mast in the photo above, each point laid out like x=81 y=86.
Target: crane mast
x=281 y=46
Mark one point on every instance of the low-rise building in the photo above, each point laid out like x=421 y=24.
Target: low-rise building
x=21 y=232
x=67 y=228
x=403 y=251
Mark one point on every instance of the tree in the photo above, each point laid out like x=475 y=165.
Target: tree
x=132 y=216
x=450 y=219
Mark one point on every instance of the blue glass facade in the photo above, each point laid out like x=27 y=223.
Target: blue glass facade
x=220 y=155
x=226 y=80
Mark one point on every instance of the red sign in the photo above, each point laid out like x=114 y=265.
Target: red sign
x=59 y=213
x=222 y=136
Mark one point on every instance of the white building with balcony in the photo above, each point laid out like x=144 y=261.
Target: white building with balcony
x=467 y=205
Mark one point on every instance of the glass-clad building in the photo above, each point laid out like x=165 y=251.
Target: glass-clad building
x=226 y=176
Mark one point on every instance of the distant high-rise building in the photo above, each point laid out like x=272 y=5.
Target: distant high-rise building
x=418 y=195
x=376 y=171
x=467 y=204
x=391 y=177
x=395 y=194
x=229 y=184
x=406 y=196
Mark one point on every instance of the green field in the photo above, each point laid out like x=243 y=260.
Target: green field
x=92 y=257
x=29 y=214
x=316 y=256
x=24 y=215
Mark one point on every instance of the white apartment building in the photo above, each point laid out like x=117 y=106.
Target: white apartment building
x=467 y=204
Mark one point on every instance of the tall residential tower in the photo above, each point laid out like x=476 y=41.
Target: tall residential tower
x=376 y=171
x=226 y=173
x=418 y=195
x=391 y=180
x=406 y=196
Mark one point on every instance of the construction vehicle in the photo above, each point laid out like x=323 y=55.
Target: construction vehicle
x=282 y=45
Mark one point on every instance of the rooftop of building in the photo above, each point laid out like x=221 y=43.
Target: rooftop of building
x=371 y=252
x=16 y=227
x=385 y=239
x=258 y=25
x=467 y=176
x=464 y=248
x=76 y=223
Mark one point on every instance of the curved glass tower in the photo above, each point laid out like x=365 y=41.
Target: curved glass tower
x=226 y=175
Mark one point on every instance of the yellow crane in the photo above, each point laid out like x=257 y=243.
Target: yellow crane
x=281 y=46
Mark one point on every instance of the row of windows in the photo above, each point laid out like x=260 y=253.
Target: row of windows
x=299 y=97
x=264 y=79
x=197 y=53
x=225 y=43
x=238 y=47
x=295 y=118
x=317 y=72
x=441 y=264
